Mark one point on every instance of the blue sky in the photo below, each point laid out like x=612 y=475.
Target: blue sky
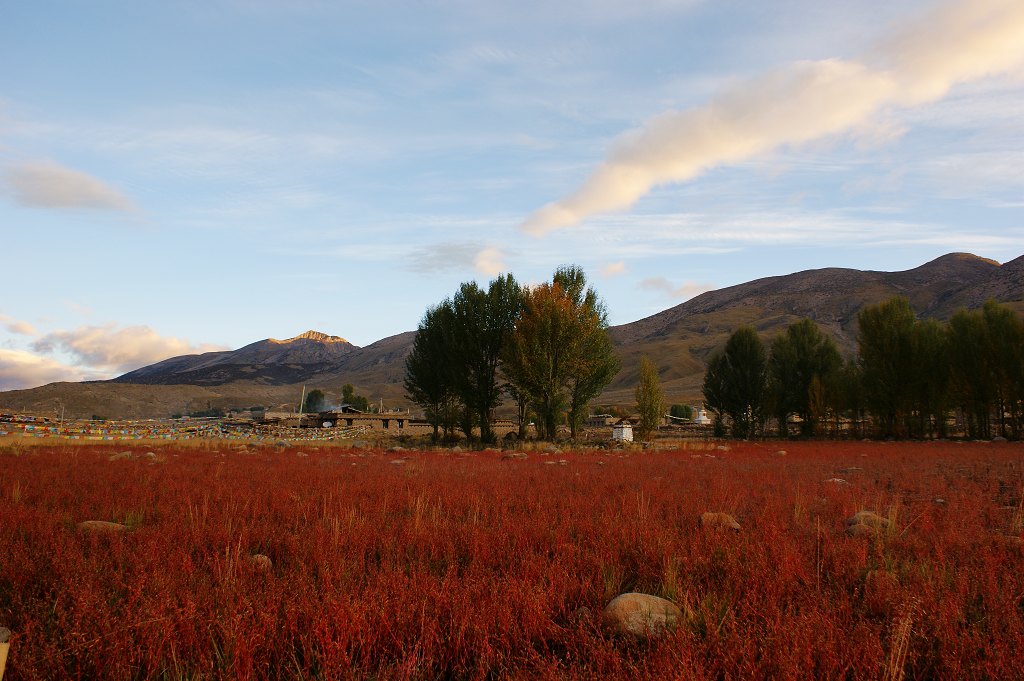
x=184 y=176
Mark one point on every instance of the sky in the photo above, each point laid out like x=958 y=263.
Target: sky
x=195 y=175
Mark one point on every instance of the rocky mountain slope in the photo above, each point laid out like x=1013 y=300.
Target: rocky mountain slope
x=679 y=340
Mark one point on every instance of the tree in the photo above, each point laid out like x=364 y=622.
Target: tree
x=349 y=397
x=649 y=398
x=801 y=365
x=428 y=380
x=986 y=350
x=930 y=378
x=681 y=411
x=560 y=354
x=315 y=402
x=886 y=359
x=735 y=384
x=481 y=324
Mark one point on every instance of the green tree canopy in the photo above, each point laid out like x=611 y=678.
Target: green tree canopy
x=885 y=352
x=649 y=398
x=315 y=402
x=560 y=354
x=799 y=355
x=736 y=381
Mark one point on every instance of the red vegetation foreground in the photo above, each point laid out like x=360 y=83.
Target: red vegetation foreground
x=474 y=566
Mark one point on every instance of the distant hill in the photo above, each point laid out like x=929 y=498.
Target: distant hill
x=270 y=361
x=678 y=340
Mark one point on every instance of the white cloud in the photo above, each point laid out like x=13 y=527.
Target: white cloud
x=20 y=369
x=489 y=261
x=44 y=184
x=117 y=350
x=684 y=292
x=613 y=269
x=803 y=102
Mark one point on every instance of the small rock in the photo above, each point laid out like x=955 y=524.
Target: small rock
x=719 y=521
x=641 y=616
x=261 y=562
x=550 y=463
x=101 y=526
x=580 y=615
x=5 y=634
x=999 y=438
x=360 y=444
x=398 y=462
x=781 y=452
x=301 y=454
x=396 y=448
x=150 y=456
x=722 y=448
x=514 y=455
x=837 y=481
x=939 y=500
x=120 y=456
x=563 y=462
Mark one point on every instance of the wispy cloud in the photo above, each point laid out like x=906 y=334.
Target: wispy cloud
x=17 y=326
x=44 y=184
x=116 y=350
x=803 y=102
x=486 y=260
x=685 y=291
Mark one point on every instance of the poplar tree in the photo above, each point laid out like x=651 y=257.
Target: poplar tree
x=736 y=382
x=649 y=398
x=560 y=355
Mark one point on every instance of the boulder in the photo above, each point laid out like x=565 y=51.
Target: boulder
x=719 y=521
x=101 y=526
x=261 y=562
x=869 y=518
x=641 y=616
x=866 y=524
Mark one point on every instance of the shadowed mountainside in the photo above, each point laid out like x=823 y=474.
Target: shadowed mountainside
x=678 y=340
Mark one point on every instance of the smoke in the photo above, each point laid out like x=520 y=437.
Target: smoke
x=802 y=102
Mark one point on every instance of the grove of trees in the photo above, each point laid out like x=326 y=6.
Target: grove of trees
x=546 y=347
x=910 y=378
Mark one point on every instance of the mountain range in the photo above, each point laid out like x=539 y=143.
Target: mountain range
x=679 y=340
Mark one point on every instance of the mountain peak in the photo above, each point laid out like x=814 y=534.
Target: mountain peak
x=313 y=336
x=957 y=258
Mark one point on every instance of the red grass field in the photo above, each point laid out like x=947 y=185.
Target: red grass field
x=470 y=566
